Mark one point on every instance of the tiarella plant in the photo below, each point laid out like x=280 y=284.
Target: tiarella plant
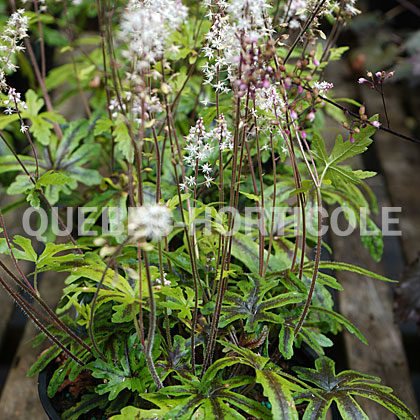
x=198 y=177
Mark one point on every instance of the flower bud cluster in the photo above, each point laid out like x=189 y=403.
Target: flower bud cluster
x=354 y=126
x=255 y=67
x=376 y=79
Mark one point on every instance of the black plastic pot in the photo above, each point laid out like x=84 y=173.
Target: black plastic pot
x=43 y=380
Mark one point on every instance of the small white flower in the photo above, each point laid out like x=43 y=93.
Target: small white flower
x=165 y=281
x=206 y=168
x=24 y=128
x=208 y=180
x=190 y=181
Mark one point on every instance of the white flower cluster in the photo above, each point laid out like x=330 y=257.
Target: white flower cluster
x=298 y=10
x=149 y=221
x=151 y=105
x=323 y=87
x=250 y=16
x=13 y=100
x=222 y=134
x=269 y=100
x=234 y=22
x=200 y=144
x=146 y=26
x=11 y=43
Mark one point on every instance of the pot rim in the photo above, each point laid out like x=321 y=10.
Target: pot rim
x=43 y=379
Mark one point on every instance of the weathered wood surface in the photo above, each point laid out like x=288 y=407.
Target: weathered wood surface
x=400 y=162
x=369 y=303
x=19 y=399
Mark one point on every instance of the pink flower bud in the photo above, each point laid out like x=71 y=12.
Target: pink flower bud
x=293 y=115
x=311 y=116
x=351 y=139
x=303 y=135
x=376 y=124
x=266 y=83
x=378 y=74
x=315 y=62
x=362 y=80
x=300 y=89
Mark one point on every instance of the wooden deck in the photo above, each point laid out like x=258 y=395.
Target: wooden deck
x=367 y=303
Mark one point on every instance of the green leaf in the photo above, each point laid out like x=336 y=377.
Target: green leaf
x=217 y=409
x=342 y=151
x=245 y=249
x=178 y=301
x=28 y=252
x=41 y=129
x=286 y=339
x=250 y=358
x=123 y=139
x=131 y=413
x=87 y=403
x=342 y=320
x=5 y=120
x=217 y=366
x=253 y=306
x=342 y=388
x=117 y=378
x=58 y=378
x=246 y=404
x=33 y=103
x=53 y=178
x=103 y=125
x=277 y=390
x=374 y=240
x=43 y=360
x=336 y=53
x=49 y=255
x=340 y=266
x=251 y=196
x=185 y=408
x=8 y=163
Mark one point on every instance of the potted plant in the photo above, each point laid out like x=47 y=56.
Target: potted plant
x=199 y=173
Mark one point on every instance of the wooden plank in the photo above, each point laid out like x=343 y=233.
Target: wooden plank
x=400 y=161
x=369 y=303
x=19 y=399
